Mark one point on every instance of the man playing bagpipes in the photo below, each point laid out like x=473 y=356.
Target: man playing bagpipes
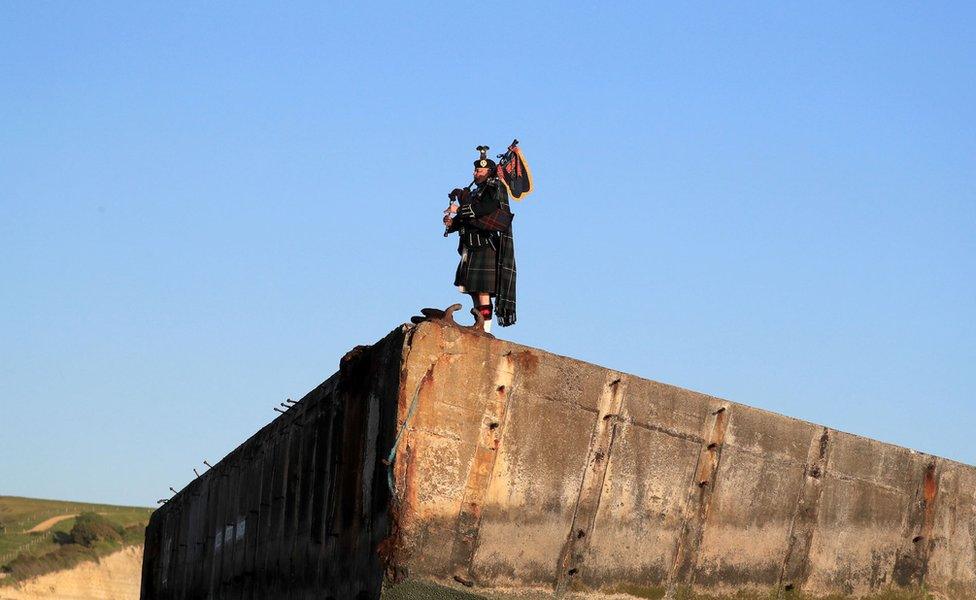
x=482 y=218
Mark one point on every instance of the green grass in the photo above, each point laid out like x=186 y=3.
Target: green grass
x=17 y=515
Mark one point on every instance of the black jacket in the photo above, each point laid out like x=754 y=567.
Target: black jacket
x=483 y=200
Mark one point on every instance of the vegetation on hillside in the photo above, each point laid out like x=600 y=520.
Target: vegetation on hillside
x=83 y=532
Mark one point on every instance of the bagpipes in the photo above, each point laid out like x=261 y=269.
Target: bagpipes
x=512 y=170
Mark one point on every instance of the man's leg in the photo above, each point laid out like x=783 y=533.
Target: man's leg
x=482 y=303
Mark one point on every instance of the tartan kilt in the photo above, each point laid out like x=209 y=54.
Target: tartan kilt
x=476 y=272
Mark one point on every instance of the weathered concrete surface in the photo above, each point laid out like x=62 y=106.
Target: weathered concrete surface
x=521 y=474
x=521 y=469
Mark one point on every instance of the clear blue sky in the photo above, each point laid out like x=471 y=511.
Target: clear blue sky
x=203 y=207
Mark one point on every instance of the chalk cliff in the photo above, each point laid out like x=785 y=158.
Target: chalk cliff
x=114 y=577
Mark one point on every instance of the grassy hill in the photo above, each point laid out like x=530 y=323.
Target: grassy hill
x=50 y=545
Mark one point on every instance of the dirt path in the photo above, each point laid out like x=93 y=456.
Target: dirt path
x=45 y=525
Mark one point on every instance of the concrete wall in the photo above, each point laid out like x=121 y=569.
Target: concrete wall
x=522 y=474
x=299 y=508
x=522 y=469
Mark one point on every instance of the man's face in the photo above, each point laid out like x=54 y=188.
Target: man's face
x=480 y=174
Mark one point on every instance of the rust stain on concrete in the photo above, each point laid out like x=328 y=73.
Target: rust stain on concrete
x=526 y=359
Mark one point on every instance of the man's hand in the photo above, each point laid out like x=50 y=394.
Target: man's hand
x=449 y=214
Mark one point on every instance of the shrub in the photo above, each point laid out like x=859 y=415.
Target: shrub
x=61 y=538
x=134 y=534
x=26 y=566
x=92 y=527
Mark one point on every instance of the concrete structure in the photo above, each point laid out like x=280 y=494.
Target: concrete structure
x=518 y=473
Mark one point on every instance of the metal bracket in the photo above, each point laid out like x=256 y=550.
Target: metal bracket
x=446 y=317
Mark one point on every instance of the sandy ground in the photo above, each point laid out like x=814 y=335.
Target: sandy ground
x=45 y=525
x=116 y=577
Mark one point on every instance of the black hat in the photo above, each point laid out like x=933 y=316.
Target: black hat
x=484 y=161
